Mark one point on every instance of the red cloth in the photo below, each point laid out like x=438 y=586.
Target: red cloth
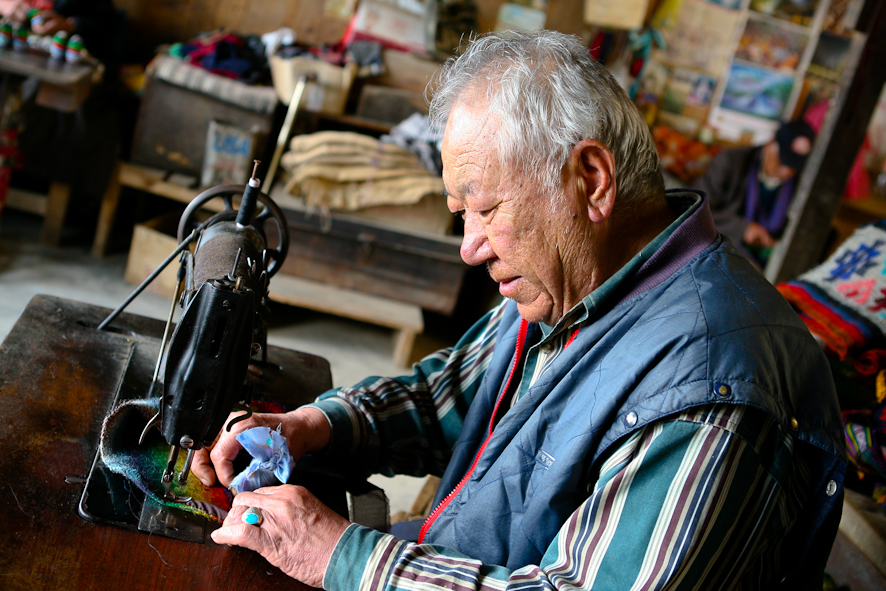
x=858 y=184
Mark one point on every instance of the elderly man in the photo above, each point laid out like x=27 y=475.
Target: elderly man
x=642 y=411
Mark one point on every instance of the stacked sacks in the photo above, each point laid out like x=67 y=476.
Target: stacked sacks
x=349 y=172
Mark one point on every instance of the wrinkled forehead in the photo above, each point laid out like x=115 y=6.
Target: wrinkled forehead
x=471 y=127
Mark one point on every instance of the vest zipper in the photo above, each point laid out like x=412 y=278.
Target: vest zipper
x=518 y=354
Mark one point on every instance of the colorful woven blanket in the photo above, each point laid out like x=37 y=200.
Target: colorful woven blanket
x=843 y=300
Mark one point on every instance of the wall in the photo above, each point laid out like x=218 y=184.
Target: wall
x=154 y=22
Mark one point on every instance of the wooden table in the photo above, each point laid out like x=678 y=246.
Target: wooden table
x=58 y=377
x=63 y=87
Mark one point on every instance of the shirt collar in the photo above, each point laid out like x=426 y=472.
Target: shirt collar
x=683 y=239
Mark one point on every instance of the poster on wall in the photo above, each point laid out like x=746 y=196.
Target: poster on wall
x=650 y=90
x=771 y=44
x=830 y=56
x=701 y=39
x=799 y=12
x=517 y=17
x=730 y=4
x=757 y=91
x=686 y=100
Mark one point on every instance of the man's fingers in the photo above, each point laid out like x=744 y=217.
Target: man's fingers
x=223 y=455
x=202 y=467
x=253 y=498
x=239 y=534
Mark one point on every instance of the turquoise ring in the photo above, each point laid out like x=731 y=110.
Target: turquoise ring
x=252 y=516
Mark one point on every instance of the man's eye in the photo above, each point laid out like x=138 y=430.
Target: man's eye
x=459 y=214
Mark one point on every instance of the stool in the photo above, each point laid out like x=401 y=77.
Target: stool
x=53 y=207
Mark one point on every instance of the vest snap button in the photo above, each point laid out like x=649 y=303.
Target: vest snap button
x=631 y=419
x=831 y=489
x=722 y=390
x=794 y=424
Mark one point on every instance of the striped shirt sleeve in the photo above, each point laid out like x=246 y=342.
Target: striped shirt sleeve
x=702 y=501
x=408 y=425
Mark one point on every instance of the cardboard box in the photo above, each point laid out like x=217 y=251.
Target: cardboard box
x=406 y=71
x=230 y=150
x=326 y=94
x=152 y=242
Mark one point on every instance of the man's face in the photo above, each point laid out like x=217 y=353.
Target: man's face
x=511 y=225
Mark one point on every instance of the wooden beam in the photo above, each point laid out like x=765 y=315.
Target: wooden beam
x=821 y=186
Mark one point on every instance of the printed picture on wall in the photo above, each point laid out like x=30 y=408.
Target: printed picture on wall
x=730 y=4
x=830 y=56
x=796 y=11
x=771 y=45
x=757 y=91
x=686 y=100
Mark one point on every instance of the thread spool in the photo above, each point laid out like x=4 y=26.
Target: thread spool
x=20 y=38
x=58 y=45
x=74 y=50
x=5 y=35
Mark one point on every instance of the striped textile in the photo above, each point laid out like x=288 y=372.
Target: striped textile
x=701 y=501
x=843 y=300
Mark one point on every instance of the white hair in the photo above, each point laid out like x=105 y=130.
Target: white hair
x=550 y=94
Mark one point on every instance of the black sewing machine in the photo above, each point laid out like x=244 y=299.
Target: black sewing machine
x=223 y=327
x=215 y=362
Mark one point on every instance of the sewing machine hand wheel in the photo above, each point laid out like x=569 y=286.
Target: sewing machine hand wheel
x=271 y=211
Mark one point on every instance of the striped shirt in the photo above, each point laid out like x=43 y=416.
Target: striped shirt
x=697 y=501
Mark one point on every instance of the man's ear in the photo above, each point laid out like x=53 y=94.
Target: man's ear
x=592 y=168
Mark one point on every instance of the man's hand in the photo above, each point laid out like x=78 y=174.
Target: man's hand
x=305 y=429
x=757 y=236
x=297 y=535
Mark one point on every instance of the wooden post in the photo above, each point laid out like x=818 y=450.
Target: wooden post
x=56 y=208
x=824 y=179
x=107 y=213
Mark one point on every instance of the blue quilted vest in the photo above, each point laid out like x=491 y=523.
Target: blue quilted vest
x=714 y=331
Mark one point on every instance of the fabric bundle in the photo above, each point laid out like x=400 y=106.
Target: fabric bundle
x=345 y=171
x=271 y=463
x=843 y=303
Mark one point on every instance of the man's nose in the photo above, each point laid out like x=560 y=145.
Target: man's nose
x=475 y=247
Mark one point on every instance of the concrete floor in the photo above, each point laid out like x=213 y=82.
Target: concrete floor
x=354 y=349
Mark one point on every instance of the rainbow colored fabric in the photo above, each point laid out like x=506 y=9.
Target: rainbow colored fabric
x=144 y=464
x=843 y=300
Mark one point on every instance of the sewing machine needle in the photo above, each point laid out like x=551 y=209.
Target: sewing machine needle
x=170 y=464
x=183 y=477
